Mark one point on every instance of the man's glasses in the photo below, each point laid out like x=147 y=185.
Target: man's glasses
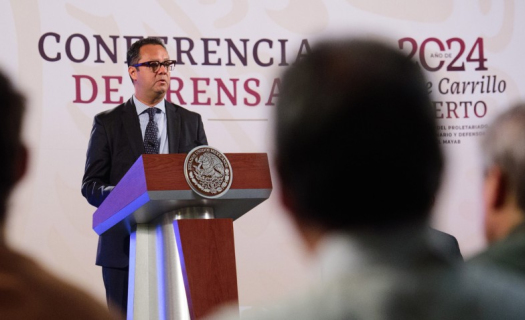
x=155 y=65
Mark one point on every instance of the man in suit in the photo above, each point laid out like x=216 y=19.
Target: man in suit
x=146 y=123
x=359 y=163
x=27 y=290
x=504 y=192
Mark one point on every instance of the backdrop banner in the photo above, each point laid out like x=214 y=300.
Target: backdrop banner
x=69 y=58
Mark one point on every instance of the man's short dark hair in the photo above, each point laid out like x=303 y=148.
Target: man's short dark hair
x=356 y=136
x=13 y=106
x=133 y=55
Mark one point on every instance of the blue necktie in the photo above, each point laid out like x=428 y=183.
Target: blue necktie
x=151 y=142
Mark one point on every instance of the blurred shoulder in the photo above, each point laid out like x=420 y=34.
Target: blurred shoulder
x=35 y=293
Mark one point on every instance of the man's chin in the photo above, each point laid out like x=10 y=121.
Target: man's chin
x=161 y=90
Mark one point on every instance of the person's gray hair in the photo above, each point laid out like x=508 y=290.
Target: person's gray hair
x=504 y=146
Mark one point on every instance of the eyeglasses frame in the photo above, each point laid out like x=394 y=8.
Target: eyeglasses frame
x=168 y=64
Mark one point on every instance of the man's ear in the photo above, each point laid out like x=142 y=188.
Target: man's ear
x=310 y=232
x=285 y=195
x=21 y=163
x=132 y=71
x=495 y=188
x=287 y=200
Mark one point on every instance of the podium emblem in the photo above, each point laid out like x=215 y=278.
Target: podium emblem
x=208 y=172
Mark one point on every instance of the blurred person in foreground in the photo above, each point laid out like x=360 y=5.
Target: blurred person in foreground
x=503 y=148
x=27 y=291
x=359 y=165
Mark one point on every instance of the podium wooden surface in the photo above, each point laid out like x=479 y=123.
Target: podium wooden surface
x=155 y=184
x=210 y=263
x=180 y=268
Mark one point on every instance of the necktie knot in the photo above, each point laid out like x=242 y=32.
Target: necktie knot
x=151 y=112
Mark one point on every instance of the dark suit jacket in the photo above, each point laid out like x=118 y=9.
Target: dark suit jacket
x=115 y=144
x=447 y=243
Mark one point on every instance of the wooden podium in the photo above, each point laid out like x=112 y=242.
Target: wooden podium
x=182 y=256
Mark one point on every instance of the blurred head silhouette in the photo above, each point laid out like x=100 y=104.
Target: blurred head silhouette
x=504 y=166
x=13 y=154
x=356 y=138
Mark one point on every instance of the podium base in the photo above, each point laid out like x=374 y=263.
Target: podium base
x=182 y=266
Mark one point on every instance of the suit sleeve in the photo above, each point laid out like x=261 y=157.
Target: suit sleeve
x=96 y=181
x=201 y=135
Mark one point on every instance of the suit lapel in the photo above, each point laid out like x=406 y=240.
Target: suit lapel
x=132 y=127
x=173 y=127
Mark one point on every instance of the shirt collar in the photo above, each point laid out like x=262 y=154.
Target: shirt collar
x=141 y=107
